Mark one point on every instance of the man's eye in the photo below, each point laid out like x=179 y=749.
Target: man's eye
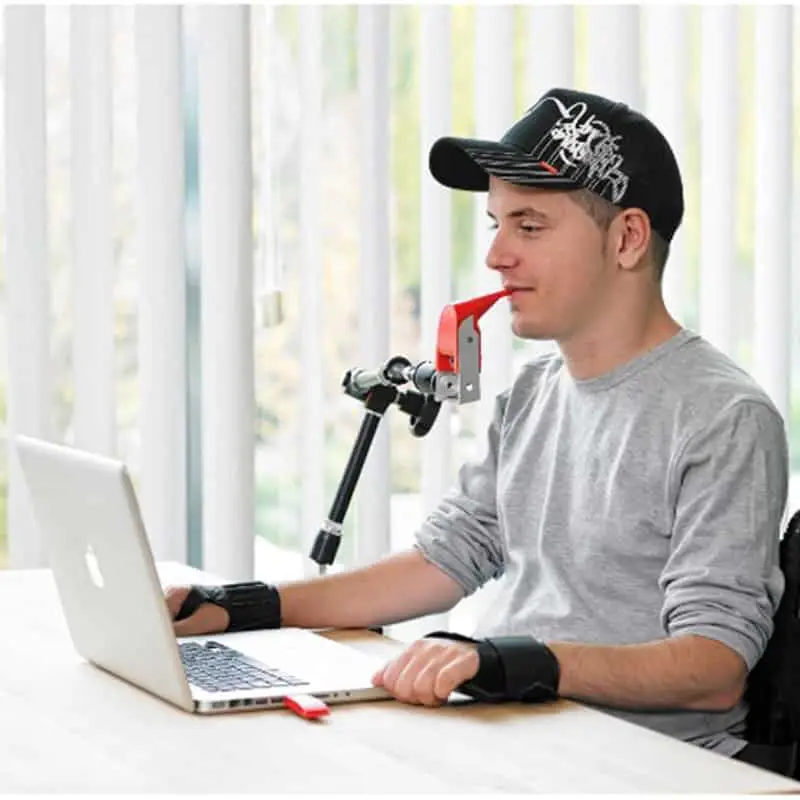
x=493 y=226
x=530 y=228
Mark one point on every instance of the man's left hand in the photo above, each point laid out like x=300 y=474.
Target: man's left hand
x=428 y=671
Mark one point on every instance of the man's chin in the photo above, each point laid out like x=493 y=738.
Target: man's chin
x=526 y=329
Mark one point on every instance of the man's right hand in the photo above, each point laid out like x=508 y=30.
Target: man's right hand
x=207 y=618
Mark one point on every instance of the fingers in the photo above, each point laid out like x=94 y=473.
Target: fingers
x=421 y=687
x=175 y=595
x=208 y=618
x=378 y=677
x=387 y=676
x=456 y=673
x=427 y=672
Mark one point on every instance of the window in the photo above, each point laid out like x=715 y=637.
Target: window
x=281 y=552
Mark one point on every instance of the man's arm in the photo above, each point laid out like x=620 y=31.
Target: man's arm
x=400 y=587
x=728 y=484
x=395 y=589
x=686 y=672
x=457 y=550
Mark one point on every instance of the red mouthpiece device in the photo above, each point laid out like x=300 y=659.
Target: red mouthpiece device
x=458 y=346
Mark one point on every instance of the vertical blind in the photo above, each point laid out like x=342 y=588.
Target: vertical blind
x=27 y=283
x=162 y=264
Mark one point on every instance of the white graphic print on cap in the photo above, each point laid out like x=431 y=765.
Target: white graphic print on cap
x=587 y=147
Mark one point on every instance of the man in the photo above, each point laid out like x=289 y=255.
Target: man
x=634 y=483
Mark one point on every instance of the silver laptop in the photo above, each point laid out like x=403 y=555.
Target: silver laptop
x=89 y=517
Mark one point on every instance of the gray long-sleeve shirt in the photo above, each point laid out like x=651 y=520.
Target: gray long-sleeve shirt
x=642 y=504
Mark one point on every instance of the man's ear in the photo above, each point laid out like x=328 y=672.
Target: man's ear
x=631 y=236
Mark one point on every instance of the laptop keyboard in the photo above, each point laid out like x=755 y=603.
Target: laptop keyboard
x=217 y=668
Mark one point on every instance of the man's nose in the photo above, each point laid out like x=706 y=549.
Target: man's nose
x=499 y=256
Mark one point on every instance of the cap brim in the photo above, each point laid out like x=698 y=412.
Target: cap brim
x=468 y=163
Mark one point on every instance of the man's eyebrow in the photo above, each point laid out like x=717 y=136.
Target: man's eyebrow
x=524 y=211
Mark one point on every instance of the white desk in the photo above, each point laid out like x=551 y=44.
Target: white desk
x=67 y=726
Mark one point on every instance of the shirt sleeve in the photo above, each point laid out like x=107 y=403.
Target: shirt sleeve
x=722 y=579
x=461 y=536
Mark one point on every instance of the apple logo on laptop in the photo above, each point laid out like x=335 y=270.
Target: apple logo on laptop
x=94 y=568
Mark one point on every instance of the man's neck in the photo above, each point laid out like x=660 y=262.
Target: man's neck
x=597 y=352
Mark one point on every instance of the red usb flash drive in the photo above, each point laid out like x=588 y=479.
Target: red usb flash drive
x=306 y=706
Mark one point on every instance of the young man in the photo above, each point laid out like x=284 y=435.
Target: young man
x=634 y=484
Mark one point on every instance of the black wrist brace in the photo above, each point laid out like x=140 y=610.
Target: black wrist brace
x=511 y=668
x=251 y=605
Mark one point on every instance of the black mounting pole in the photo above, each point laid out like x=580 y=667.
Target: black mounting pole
x=330 y=534
x=378 y=390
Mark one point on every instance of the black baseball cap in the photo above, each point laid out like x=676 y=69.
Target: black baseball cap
x=574 y=140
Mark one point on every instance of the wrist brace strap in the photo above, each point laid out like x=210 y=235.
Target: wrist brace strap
x=251 y=605
x=511 y=668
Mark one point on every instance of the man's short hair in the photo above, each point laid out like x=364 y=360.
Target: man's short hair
x=603 y=211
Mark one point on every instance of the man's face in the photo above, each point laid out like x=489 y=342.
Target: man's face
x=551 y=253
